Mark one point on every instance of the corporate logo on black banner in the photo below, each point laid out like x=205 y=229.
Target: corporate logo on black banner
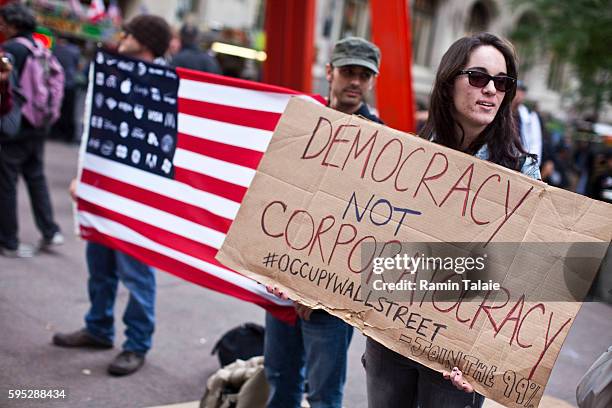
x=134 y=113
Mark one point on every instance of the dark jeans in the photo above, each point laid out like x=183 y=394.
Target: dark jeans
x=395 y=381
x=106 y=268
x=23 y=157
x=312 y=349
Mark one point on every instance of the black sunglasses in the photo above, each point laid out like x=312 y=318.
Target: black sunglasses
x=502 y=83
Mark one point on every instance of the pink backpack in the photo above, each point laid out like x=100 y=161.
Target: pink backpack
x=42 y=85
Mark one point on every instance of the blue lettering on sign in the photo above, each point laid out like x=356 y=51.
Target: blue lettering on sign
x=381 y=212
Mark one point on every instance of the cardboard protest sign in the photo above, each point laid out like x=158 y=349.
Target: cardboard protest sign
x=346 y=215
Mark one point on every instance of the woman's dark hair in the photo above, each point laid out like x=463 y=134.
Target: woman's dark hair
x=500 y=135
x=19 y=17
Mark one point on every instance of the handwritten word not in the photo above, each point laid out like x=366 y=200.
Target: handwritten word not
x=384 y=206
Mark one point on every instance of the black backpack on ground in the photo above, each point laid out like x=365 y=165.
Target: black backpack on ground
x=242 y=342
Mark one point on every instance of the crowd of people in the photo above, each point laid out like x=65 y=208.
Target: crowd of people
x=476 y=107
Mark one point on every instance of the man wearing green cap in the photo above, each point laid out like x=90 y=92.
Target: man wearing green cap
x=351 y=72
x=315 y=347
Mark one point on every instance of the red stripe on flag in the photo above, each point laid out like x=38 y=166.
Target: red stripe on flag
x=258 y=119
x=161 y=202
x=209 y=184
x=161 y=236
x=228 y=153
x=188 y=273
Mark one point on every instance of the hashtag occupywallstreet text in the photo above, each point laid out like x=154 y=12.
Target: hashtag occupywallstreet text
x=420 y=331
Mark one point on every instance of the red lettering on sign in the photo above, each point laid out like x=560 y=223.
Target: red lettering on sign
x=426 y=177
x=263 y=215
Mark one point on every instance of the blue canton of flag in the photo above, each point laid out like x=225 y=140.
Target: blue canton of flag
x=134 y=113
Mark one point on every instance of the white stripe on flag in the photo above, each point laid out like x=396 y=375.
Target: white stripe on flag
x=123 y=233
x=170 y=188
x=151 y=216
x=223 y=132
x=233 y=96
x=219 y=169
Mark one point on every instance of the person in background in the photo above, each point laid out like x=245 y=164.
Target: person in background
x=556 y=168
x=191 y=56
x=601 y=188
x=145 y=37
x=421 y=115
x=175 y=45
x=470 y=111
x=68 y=55
x=527 y=123
x=23 y=155
x=315 y=347
x=584 y=159
x=232 y=65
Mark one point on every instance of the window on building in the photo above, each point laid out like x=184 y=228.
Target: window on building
x=184 y=7
x=260 y=17
x=423 y=29
x=355 y=17
x=480 y=17
x=556 y=74
x=526 y=45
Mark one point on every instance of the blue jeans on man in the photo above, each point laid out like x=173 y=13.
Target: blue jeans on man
x=314 y=350
x=106 y=268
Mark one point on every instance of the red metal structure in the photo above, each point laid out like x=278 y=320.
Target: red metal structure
x=289 y=43
x=290 y=36
x=391 y=32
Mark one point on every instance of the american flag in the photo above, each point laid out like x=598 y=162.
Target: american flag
x=166 y=159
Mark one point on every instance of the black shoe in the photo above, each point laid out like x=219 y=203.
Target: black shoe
x=80 y=338
x=126 y=362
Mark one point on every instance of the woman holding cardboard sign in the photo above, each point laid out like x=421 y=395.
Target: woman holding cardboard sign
x=469 y=111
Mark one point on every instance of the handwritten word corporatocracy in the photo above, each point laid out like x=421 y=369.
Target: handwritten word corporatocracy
x=347 y=145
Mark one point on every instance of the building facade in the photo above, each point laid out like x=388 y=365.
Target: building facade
x=436 y=24
x=239 y=14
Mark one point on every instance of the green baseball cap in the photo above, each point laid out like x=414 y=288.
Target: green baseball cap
x=356 y=51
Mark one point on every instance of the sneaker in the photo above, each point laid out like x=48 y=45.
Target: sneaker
x=56 y=240
x=80 y=338
x=126 y=362
x=22 y=251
